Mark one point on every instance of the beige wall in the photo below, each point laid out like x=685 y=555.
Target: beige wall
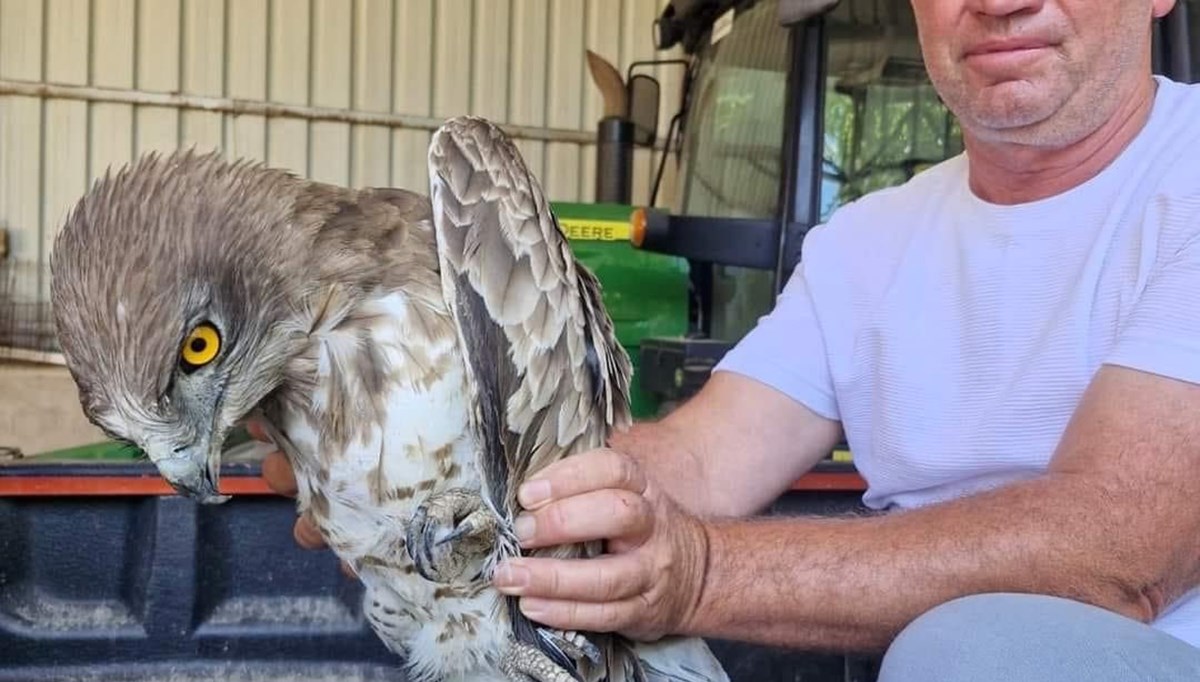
x=39 y=410
x=516 y=61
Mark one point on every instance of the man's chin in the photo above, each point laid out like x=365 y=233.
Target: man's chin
x=1038 y=109
x=1014 y=113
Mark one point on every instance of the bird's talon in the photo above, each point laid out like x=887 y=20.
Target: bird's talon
x=449 y=533
x=465 y=528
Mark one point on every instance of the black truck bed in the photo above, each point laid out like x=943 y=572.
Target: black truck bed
x=100 y=586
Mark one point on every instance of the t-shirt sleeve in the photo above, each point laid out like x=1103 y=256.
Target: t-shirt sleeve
x=786 y=351
x=1162 y=333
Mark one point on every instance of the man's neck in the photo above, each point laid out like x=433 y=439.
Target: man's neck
x=1010 y=173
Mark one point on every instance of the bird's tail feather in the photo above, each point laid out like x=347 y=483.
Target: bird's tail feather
x=676 y=659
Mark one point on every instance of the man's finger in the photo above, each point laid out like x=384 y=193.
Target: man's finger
x=609 y=616
x=256 y=430
x=599 y=515
x=606 y=578
x=277 y=472
x=584 y=472
x=307 y=535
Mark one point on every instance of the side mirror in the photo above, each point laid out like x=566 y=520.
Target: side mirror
x=644 y=97
x=630 y=119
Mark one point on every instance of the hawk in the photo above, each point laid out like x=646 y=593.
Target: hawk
x=415 y=356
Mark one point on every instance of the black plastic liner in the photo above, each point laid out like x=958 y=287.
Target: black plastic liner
x=127 y=588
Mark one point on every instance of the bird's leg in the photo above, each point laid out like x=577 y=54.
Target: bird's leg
x=452 y=531
x=524 y=662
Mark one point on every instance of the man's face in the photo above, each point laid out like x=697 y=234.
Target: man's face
x=1035 y=71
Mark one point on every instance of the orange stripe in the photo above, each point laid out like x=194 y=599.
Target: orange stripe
x=28 y=486
x=826 y=480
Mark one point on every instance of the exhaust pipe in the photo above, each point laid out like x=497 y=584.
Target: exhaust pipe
x=614 y=160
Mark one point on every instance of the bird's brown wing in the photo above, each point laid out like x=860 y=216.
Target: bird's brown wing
x=548 y=373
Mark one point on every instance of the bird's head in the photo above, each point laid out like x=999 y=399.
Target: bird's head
x=176 y=288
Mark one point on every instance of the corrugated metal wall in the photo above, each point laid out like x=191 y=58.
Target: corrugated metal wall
x=516 y=61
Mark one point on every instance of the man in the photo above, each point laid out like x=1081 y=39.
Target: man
x=1009 y=343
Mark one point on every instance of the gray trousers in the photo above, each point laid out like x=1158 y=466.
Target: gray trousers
x=1029 y=638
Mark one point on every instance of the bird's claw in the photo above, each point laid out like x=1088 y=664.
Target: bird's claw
x=574 y=645
x=466 y=527
x=450 y=535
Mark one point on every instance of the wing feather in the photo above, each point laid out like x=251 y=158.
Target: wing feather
x=541 y=350
x=546 y=375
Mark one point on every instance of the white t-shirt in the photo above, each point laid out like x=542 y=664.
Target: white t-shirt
x=953 y=338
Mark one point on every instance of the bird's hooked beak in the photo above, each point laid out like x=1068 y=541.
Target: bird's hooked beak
x=193 y=471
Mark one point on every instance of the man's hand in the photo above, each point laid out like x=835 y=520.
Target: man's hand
x=648 y=583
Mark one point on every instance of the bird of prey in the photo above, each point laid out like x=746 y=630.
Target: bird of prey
x=415 y=356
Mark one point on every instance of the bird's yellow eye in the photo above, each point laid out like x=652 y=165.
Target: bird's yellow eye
x=201 y=346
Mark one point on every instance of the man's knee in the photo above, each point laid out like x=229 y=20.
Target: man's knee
x=1031 y=637
x=945 y=638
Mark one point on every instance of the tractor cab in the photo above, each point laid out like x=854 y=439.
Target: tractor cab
x=790 y=110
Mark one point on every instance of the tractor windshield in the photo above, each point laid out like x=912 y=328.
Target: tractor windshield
x=882 y=123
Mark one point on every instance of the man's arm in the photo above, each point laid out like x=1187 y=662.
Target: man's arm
x=1114 y=522
x=731 y=449
x=766 y=415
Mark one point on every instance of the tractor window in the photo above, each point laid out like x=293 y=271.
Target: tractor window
x=883 y=123
x=734 y=140
x=732 y=154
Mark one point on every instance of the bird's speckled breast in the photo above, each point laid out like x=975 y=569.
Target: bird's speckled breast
x=378 y=417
